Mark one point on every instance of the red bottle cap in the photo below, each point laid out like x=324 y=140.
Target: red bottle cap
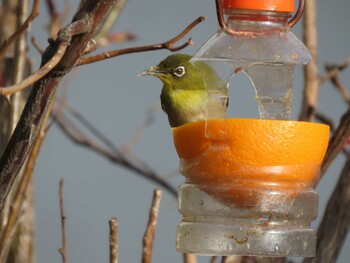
x=261 y=5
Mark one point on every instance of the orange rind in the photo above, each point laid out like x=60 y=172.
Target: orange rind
x=264 y=5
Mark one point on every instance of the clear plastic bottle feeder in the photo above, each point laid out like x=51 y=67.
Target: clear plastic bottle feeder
x=249 y=182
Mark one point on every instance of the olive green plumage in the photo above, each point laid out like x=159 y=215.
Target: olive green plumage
x=191 y=91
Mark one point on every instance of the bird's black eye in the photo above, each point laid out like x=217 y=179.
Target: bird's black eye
x=179 y=71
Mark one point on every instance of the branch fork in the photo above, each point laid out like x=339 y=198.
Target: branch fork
x=62 y=42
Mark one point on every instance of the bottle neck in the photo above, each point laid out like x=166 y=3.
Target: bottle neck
x=256 y=21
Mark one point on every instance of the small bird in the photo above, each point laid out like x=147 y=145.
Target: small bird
x=192 y=91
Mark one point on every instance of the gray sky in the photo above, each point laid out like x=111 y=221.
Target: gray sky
x=111 y=96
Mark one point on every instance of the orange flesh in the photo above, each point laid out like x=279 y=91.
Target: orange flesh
x=251 y=153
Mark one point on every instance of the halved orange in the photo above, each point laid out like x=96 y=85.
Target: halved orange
x=252 y=153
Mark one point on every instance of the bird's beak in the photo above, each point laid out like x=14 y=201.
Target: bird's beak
x=149 y=72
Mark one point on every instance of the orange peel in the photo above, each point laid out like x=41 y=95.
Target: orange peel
x=251 y=153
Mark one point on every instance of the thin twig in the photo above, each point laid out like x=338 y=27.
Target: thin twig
x=334 y=70
x=36 y=45
x=96 y=132
x=118 y=37
x=337 y=141
x=56 y=18
x=164 y=45
x=113 y=153
x=326 y=120
x=51 y=7
x=140 y=129
x=189 y=258
x=56 y=58
x=148 y=238
x=336 y=81
x=63 y=249
x=311 y=87
x=54 y=23
x=113 y=240
x=33 y=14
x=341 y=88
x=109 y=20
x=251 y=259
x=335 y=224
x=126 y=148
x=245 y=259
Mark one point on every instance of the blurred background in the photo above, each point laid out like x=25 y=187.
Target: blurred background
x=111 y=96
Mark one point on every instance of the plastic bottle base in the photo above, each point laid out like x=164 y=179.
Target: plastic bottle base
x=244 y=239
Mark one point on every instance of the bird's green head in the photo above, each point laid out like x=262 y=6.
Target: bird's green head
x=177 y=72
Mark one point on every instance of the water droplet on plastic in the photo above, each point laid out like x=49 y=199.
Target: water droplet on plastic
x=263 y=220
x=276 y=248
x=305 y=245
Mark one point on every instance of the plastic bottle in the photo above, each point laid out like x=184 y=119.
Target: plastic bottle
x=271 y=218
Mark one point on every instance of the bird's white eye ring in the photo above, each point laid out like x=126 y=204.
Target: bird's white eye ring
x=179 y=71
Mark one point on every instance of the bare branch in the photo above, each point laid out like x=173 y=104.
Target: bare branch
x=36 y=45
x=311 y=87
x=126 y=148
x=239 y=259
x=34 y=13
x=150 y=232
x=335 y=224
x=113 y=153
x=109 y=20
x=336 y=81
x=113 y=240
x=113 y=38
x=190 y=258
x=63 y=249
x=164 y=45
x=54 y=23
x=337 y=141
x=326 y=120
x=56 y=18
x=334 y=70
x=20 y=195
x=56 y=58
x=51 y=7
x=43 y=91
x=87 y=124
